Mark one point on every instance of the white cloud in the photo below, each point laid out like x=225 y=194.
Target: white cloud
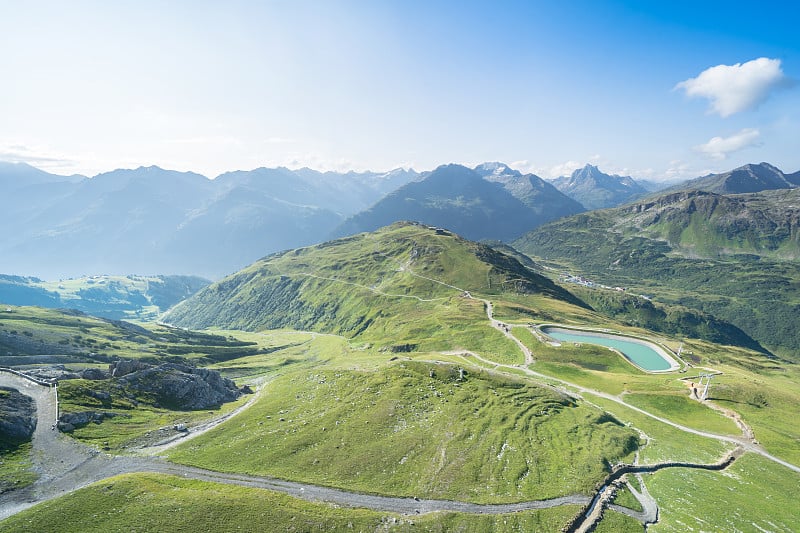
x=563 y=169
x=735 y=88
x=15 y=152
x=720 y=147
x=210 y=140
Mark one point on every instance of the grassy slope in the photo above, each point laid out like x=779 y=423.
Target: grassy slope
x=399 y=431
x=144 y=503
x=134 y=421
x=754 y=494
x=760 y=296
x=765 y=392
x=31 y=331
x=15 y=465
x=361 y=287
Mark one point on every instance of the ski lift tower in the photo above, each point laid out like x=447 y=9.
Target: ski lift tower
x=707 y=378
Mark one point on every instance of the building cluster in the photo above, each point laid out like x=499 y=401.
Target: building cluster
x=566 y=277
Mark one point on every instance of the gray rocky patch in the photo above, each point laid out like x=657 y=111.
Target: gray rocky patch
x=69 y=422
x=17 y=415
x=177 y=386
x=122 y=368
x=95 y=374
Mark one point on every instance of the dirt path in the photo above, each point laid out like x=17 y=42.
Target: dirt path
x=744 y=441
x=71 y=466
x=54 y=453
x=586 y=521
x=197 y=430
x=65 y=465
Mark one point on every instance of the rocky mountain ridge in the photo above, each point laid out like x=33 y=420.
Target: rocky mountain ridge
x=477 y=204
x=154 y=221
x=748 y=178
x=596 y=190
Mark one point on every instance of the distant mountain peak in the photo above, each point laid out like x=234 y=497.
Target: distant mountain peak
x=596 y=190
x=588 y=168
x=749 y=178
x=488 y=202
x=497 y=169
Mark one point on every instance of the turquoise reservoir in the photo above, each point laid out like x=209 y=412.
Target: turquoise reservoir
x=637 y=352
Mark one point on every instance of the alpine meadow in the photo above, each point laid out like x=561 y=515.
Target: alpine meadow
x=408 y=267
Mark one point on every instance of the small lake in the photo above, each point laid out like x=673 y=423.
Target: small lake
x=641 y=353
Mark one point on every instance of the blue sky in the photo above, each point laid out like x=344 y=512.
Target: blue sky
x=652 y=89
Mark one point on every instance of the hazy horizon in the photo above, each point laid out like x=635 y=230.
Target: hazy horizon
x=205 y=87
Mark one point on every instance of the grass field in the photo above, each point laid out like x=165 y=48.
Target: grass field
x=614 y=522
x=15 y=466
x=414 y=428
x=681 y=408
x=133 y=422
x=625 y=498
x=145 y=503
x=665 y=443
x=148 y=502
x=754 y=494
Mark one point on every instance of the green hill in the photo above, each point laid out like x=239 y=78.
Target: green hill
x=732 y=256
x=709 y=225
x=417 y=428
x=379 y=287
x=32 y=335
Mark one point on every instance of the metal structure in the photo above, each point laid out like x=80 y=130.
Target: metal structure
x=707 y=378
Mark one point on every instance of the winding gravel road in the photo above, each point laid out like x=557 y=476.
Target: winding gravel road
x=64 y=465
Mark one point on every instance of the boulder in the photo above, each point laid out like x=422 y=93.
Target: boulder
x=95 y=374
x=17 y=415
x=124 y=367
x=182 y=387
x=103 y=396
x=68 y=422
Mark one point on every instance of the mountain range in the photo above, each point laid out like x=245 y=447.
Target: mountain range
x=489 y=202
x=155 y=221
x=151 y=220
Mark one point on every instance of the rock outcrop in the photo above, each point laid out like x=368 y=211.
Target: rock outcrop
x=17 y=415
x=69 y=422
x=95 y=374
x=177 y=386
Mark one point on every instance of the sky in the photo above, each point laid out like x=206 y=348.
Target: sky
x=655 y=90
